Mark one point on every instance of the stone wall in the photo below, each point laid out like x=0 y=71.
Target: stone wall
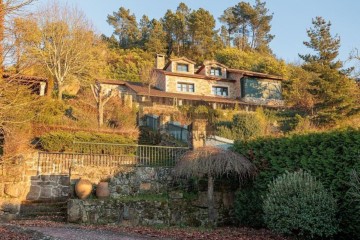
x=46 y=187
x=19 y=181
x=15 y=178
x=154 y=180
x=202 y=86
x=174 y=211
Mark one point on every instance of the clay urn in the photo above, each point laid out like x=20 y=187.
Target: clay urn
x=102 y=190
x=83 y=188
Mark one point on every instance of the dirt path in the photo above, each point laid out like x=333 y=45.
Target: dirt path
x=69 y=233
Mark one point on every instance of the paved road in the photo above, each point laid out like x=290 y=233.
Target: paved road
x=69 y=233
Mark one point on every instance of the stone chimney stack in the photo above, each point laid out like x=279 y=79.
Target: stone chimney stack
x=160 y=61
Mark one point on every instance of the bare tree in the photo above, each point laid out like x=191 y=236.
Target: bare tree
x=65 y=44
x=148 y=75
x=15 y=100
x=213 y=162
x=101 y=98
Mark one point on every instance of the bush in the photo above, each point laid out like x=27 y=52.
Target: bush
x=298 y=205
x=330 y=156
x=50 y=112
x=244 y=126
x=62 y=141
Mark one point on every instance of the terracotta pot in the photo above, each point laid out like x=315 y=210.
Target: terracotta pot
x=102 y=190
x=83 y=188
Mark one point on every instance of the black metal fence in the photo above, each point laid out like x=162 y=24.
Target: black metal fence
x=109 y=155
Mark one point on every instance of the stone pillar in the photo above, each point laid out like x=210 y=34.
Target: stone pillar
x=198 y=133
x=42 y=88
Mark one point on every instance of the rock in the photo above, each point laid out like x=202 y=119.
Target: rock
x=64 y=180
x=1 y=190
x=74 y=213
x=13 y=189
x=34 y=193
x=145 y=186
x=46 y=193
x=10 y=208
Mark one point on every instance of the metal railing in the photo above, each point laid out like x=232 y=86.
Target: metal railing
x=109 y=155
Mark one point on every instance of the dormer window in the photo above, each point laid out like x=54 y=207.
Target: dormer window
x=181 y=67
x=215 y=71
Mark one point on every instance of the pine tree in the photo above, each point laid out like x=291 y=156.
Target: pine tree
x=249 y=26
x=157 y=38
x=203 y=37
x=125 y=26
x=336 y=95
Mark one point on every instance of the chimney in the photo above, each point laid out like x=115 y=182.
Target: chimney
x=160 y=61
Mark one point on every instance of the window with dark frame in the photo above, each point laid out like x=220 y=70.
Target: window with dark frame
x=220 y=91
x=181 y=67
x=215 y=71
x=185 y=87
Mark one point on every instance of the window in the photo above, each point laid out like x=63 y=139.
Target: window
x=185 y=87
x=215 y=71
x=180 y=67
x=220 y=91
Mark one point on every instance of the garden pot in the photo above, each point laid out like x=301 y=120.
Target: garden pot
x=83 y=188
x=102 y=190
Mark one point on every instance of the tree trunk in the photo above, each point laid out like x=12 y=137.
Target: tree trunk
x=211 y=202
x=100 y=114
x=60 y=92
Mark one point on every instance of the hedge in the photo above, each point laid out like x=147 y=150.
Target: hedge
x=329 y=156
x=62 y=141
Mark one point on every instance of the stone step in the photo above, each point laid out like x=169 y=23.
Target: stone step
x=37 y=214
x=31 y=209
x=46 y=209
x=47 y=218
x=46 y=201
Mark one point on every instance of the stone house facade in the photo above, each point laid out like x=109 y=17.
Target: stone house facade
x=179 y=82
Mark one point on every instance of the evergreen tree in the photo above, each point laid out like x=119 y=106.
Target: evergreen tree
x=203 y=37
x=145 y=27
x=249 y=25
x=336 y=95
x=176 y=28
x=157 y=38
x=125 y=26
x=228 y=18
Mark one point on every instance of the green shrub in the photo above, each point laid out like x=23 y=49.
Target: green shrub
x=298 y=205
x=329 y=156
x=62 y=141
x=354 y=191
x=51 y=112
x=244 y=126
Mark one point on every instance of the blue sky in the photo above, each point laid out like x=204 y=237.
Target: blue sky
x=289 y=24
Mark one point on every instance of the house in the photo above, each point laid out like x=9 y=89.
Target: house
x=38 y=85
x=179 y=82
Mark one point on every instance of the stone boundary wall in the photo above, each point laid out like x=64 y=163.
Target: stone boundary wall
x=170 y=212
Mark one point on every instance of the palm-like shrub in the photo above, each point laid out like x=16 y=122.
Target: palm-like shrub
x=297 y=204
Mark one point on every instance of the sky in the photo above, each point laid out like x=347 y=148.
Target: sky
x=290 y=21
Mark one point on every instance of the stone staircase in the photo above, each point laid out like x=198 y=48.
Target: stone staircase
x=51 y=210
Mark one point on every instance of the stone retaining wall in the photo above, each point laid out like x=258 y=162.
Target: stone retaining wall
x=46 y=187
x=170 y=212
